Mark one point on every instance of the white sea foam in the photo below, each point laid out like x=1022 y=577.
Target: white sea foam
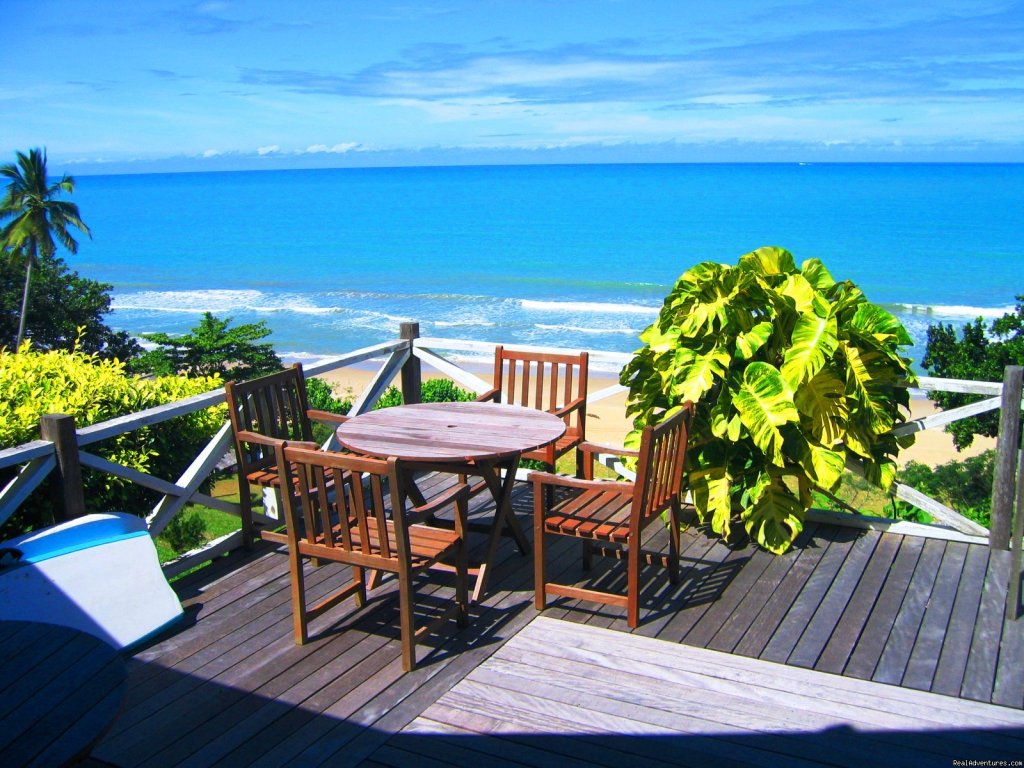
x=464 y=324
x=219 y=301
x=588 y=306
x=951 y=311
x=590 y=331
x=186 y=301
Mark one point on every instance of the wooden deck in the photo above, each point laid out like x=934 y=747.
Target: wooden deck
x=572 y=694
x=230 y=687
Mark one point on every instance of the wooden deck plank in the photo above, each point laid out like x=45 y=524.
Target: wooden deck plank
x=924 y=658
x=761 y=629
x=756 y=597
x=808 y=601
x=616 y=697
x=956 y=647
x=229 y=687
x=836 y=653
x=822 y=624
x=868 y=651
x=896 y=655
x=979 y=679
x=1008 y=689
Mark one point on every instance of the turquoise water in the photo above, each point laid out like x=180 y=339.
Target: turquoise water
x=576 y=256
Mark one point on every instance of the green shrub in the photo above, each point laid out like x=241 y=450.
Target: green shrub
x=93 y=390
x=792 y=374
x=431 y=391
x=320 y=395
x=964 y=485
x=185 y=532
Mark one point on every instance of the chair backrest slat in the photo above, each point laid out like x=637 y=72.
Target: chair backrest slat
x=275 y=406
x=659 y=477
x=337 y=514
x=542 y=381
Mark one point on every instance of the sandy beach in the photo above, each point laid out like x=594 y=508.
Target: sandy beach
x=607 y=422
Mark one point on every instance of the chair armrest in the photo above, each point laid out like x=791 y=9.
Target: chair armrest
x=246 y=436
x=491 y=396
x=541 y=479
x=579 y=404
x=588 y=447
x=326 y=416
x=458 y=495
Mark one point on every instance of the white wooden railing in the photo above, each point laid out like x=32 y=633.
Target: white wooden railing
x=37 y=459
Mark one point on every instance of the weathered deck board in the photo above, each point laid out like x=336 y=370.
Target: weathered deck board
x=229 y=686
x=698 y=706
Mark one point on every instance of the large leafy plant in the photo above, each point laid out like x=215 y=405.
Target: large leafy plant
x=792 y=373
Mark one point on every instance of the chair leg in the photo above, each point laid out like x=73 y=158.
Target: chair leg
x=406 y=614
x=298 y=580
x=462 y=583
x=539 y=588
x=633 y=583
x=674 y=544
x=588 y=555
x=359 y=577
x=245 y=502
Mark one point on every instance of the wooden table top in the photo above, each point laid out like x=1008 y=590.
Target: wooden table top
x=455 y=432
x=60 y=690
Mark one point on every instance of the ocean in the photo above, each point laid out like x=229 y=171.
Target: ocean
x=574 y=256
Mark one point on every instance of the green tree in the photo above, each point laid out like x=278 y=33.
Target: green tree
x=210 y=349
x=66 y=311
x=978 y=356
x=36 y=217
x=792 y=373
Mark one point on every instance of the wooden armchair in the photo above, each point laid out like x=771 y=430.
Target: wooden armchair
x=547 y=382
x=610 y=517
x=367 y=525
x=262 y=410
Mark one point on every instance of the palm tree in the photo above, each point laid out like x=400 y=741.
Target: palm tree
x=36 y=217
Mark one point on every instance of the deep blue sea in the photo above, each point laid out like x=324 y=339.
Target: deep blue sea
x=573 y=256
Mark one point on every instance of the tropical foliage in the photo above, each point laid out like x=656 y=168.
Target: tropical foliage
x=212 y=349
x=66 y=310
x=979 y=354
x=35 y=216
x=793 y=374
x=34 y=383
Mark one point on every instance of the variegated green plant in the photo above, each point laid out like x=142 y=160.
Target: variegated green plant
x=792 y=372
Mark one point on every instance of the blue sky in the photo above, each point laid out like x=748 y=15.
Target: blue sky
x=148 y=85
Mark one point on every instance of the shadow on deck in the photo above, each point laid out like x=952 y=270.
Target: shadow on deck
x=229 y=686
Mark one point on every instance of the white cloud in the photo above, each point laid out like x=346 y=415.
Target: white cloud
x=337 y=149
x=272 y=149
x=211 y=153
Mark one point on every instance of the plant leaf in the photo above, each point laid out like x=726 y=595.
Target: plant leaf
x=815 y=340
x=822 y=404
x=769 y=260
x=696 y=373
x=823 y=465
x=817 y=275
x=775 y=518
x=747 y=344
x=711 y=488
x=765 y=403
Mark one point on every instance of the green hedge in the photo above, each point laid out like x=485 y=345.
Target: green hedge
x=93 y=390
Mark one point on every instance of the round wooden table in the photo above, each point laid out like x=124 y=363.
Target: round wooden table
x=484 y=439
x=60 y=690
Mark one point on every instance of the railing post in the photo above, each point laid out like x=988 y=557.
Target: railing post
x=411 y=373
x=1007 y=454
x=68 y=494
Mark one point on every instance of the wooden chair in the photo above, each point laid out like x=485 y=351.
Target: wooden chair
x=263 y=410
x=611 y=516
x=547 y=382
x=367 y=525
